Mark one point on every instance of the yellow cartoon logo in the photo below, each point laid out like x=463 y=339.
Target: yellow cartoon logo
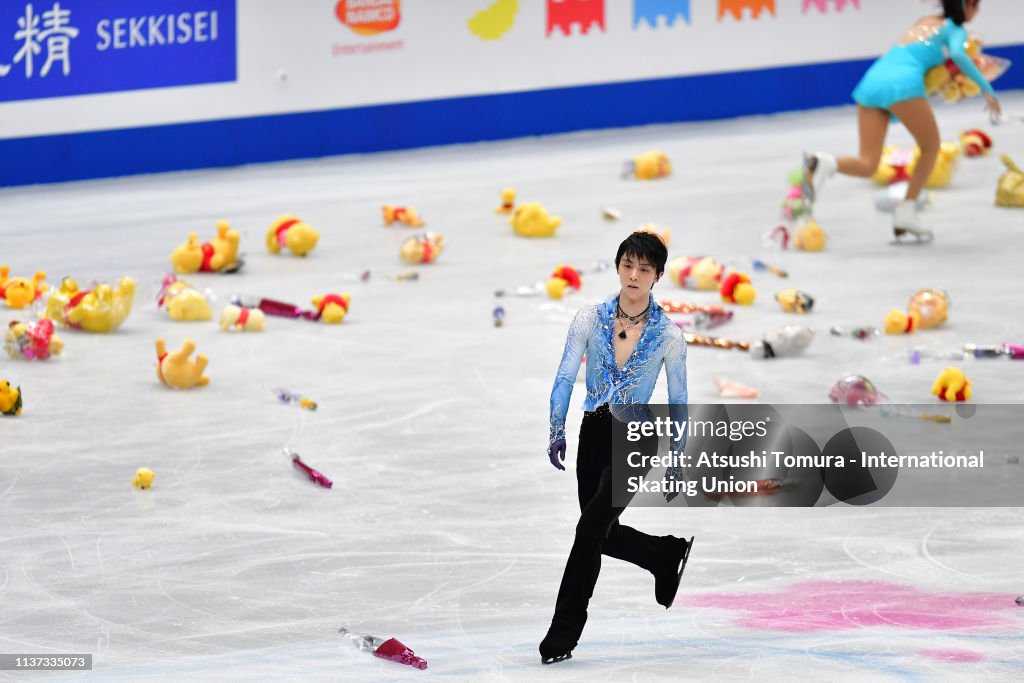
x=495 y=21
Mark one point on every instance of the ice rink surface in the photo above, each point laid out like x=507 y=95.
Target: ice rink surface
x=447 y=527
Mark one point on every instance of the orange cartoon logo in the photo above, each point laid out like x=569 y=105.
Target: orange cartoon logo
x=736 y=7
x=369 y=17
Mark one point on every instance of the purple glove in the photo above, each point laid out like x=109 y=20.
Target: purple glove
x=556 y=453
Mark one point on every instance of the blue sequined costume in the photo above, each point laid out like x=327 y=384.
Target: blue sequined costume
x=591 y=332
x=899 y=74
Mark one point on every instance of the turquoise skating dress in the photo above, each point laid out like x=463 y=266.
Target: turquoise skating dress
x=898 y=75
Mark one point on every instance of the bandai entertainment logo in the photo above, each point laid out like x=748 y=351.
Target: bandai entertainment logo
x=369 y=17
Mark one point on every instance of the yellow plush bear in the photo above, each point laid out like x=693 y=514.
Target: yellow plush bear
x=238 y=319
x=952 y=385
x=422 y=248
x=226 y=244
x=942 y=172
x=508 y=201
x=219 y=254
x=176 y=370
x=143 y=478
x=1010 y=191
x=533 y=220
x=291 y=233
x=10 y=398
x=183 y=301
x=648 y=166
x=19 y=292
x=898 y=322
x=406 y=215
x=332 y=307
x=810 y=237
x=97 y=310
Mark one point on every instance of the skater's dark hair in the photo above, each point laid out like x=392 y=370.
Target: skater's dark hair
x=954 y=9
x=646 y=246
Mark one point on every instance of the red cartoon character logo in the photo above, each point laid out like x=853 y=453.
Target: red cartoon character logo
x=564 y=13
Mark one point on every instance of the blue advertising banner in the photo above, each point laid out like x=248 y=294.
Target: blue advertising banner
x=55 y=48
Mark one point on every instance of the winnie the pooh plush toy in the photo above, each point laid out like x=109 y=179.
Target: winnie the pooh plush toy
x=810 y=236
x=176 y=370
x=183 y=301
x=218 y=255
x=288 y=232
x=101 y=309
x=952 y=385
x=143 y=478
x=10 y=399
x=406 y=215
x=898 y=164
x=696 y=272
x=18 y=292
x=240 y=319
x=422 y=248
x=736 y=289
x=1010 y=191
x=648 y=166
x=332 y=308
x=532 y=220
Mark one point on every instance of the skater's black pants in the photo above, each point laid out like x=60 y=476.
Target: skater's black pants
x=598 y=531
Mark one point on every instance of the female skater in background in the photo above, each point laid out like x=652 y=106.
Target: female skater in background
x=894 y=85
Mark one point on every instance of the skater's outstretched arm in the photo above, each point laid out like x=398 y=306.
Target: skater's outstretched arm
x=575 y=345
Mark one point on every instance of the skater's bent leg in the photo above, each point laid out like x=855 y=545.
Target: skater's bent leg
x=629 y=545
x=918 y=117
x=873 y=124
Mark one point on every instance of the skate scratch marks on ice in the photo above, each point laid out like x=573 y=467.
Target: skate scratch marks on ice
x=820 y=606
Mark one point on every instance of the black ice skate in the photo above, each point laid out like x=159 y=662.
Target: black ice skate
x=558 y=644
x=666 y=584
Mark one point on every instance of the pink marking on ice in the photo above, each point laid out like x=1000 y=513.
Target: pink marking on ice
x=818 y=606
x=822 y=5
x=953 y=655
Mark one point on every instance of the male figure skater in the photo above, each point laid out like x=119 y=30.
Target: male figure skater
x=627 y=339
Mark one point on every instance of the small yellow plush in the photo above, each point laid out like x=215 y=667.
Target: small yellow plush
x=183 y=301
x=10 y=398
x=217 y=255
x=226 y=244
x=291 y=233
x=898 y=322
x=406 y=215
x=176 y=370
x=533 y=220
x=952 y=385
x=19 y=292
x=332 y=307
x=893 y=156
x=648 y=166
x=809 y=237
x=1010 y=190
x=94 y=310
x=508 y=201
x=188 y=256
x=143 y=478
x=238 y=319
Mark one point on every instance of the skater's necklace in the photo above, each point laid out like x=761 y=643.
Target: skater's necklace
x=634 y=320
